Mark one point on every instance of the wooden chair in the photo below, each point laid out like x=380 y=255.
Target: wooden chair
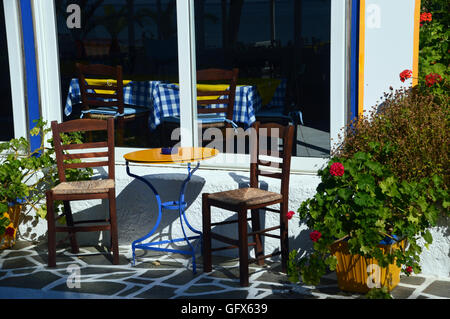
x=253 y=198
x=82 y=190
x=208 y=115
x=105 y=99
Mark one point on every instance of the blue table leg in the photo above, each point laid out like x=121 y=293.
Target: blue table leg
x=179 y=205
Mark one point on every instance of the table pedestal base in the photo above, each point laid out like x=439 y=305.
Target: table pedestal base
x=179 y=205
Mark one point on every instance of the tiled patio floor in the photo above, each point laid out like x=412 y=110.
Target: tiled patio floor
x=24 y=274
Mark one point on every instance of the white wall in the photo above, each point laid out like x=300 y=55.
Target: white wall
x=137 y=210
x=389 y=47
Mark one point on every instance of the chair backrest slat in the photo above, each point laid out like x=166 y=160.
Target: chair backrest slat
x=212 y=93
x=272 y=168
x=226 y=97
x=269 y=163
x=102 y=95
x=269 y=174
x=90 y=157
x=86 y=164
x=84 y=145
x=85 y=155
x=88 y=125
x=112 y=87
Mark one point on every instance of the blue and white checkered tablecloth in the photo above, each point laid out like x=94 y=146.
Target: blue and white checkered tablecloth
x=137 y=93
x=163 y=100
x=166 y=101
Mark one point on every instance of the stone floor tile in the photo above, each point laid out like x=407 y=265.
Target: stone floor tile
x=106 y=288
x=203 y=288
x=159 y=275
x=156 y=273
x=158 y=292
x=15 y=263
x=412 y=280
x=129 y=292
x=439 y=288
x=37 y=280
x=401 y=292
x=182 y=278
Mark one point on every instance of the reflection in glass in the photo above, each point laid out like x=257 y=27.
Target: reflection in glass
x=6 y=115
x=282 y=50
x=139 y=35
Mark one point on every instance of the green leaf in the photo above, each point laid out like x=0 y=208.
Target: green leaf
x=361 y=156
x=41 y=212
x=428 y=237
x=366 y=182
x=345 y=193
x=331 y=262
x=3 y=208
x=363 y=199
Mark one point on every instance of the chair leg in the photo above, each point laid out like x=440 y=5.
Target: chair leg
x=69 y=221
x=206 y=215
x=256 y=226
x=284 y=239
x=51 y=233
x=243 y=247
x=113 y=222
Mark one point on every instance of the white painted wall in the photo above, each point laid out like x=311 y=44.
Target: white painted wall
x=137 y=210
x=389 y=41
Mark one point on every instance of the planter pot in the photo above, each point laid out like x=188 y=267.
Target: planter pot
x=356 y=273
x=8 y=239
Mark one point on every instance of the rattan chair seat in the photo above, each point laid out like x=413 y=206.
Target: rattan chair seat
x=245 y=196
x=84 y=187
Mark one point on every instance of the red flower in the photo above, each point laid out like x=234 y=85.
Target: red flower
x=290 y=214
x=9 y=231
x=315 y=235
x=426 y=17
x=406 y=74
x=432 y=79
x=337 y=169
x=409 y=269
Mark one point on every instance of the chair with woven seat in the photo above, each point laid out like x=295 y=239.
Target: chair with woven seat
x=67 y=191
x=101 y=88
x=216 y=91
x=253 y=198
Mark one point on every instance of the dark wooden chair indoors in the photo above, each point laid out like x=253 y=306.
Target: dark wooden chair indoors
x=67 y=191
x=211 y=104
x=254 y=199
x=105 y=99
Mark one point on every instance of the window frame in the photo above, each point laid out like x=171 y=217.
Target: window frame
x=187 y=70
x=16 y=64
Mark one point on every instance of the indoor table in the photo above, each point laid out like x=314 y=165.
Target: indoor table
x=170 y=156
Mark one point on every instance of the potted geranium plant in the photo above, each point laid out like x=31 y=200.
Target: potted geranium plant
x=24 y=178
x=381 y=192
x=361 y=216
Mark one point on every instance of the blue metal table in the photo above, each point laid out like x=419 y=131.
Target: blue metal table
x=181 y=155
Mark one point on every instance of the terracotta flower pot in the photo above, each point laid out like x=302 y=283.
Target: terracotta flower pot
x=356 y=273
x=8 y=239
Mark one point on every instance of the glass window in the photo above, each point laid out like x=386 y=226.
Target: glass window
x=6 y=115
x=139 y=35
x=282 y=51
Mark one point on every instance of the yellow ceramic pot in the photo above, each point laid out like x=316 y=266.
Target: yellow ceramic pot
x=356 y=273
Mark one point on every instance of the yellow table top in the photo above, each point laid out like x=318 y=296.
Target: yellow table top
x=184 y=155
